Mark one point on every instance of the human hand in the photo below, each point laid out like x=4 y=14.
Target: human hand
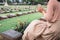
x=39 y=8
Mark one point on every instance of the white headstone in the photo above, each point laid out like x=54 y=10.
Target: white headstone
x=6 y=4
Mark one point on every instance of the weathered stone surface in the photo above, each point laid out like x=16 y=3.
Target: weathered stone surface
x=11 y=15
x=25 y=13
x=11 y=35
x=18 y=14
x=3 y=17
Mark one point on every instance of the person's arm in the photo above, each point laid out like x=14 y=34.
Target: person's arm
x=48 y=15
x=44 y=12
x=40 y=9
x=50 y=11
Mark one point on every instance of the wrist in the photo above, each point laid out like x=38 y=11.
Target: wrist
x=44 y=11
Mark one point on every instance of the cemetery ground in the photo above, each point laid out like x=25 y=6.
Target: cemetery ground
x=11 y=23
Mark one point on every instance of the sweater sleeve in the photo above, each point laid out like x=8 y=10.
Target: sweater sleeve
x=49 y=13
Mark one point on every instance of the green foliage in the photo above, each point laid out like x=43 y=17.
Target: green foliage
x=21 y=26
x=12 y=22
x=36 y=0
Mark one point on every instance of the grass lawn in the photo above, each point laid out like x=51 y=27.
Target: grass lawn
x=11 y=22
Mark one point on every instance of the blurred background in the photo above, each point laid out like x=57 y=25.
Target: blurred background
x=16 y=15
x=28 y=2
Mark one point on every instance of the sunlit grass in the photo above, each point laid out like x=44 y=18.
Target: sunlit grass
x=12 y=22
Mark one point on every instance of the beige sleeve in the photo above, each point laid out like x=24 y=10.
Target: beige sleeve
x=49 y=13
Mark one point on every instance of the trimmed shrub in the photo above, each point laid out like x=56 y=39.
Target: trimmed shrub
x=21 y=27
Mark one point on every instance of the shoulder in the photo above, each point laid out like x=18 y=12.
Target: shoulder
x=52 y=3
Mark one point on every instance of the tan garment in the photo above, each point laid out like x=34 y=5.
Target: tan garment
x=40 y=30
x=53 y=11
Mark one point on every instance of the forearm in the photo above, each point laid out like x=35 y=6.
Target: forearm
x=44 y=12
